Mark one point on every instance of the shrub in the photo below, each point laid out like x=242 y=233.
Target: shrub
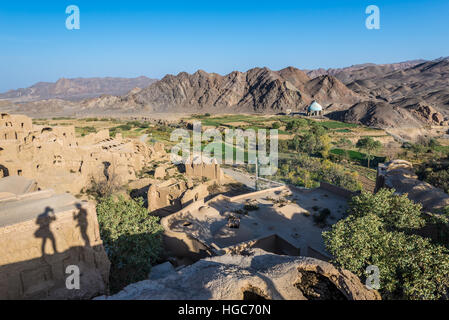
x=296 y=124
x=321 y=218
x=380 y=231
x=104 y=187
x=435 y=173
x=132 y=239
x=251 y=207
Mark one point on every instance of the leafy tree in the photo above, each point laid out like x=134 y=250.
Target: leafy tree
x=317 y=129
x=345 y=143
x=397 y=211
x=379 y=231
x=418 y=149
x=436 y=173
x=325 y=145
x=275 y=125
x=132 y=239
x=296 y=124
x=308 y=143
x=369 y=146
x=433 y=143
x=308 y=171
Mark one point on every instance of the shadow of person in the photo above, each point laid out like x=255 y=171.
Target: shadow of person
x=81 y=217
x=43 y=221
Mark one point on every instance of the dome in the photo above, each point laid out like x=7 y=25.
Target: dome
x=315 y=106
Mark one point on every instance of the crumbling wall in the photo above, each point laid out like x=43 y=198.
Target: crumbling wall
x=204 y=169
x=56 y=159
x=166 y=195
x=399 y=175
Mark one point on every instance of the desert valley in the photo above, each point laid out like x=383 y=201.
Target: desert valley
x=87 y=179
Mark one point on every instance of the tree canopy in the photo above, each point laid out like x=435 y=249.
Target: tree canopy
x=380 y=231
x=369 y=146
x=132 y=239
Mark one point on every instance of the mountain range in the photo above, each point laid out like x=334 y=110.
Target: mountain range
x=407 y=94
x=76 y=89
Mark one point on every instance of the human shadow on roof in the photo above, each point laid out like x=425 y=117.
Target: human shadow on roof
x=43 y=221
x=81 y=218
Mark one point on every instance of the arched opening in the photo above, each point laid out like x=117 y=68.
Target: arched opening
x=47 y=129
x=253 y=293
x=315 y=286
x=4 y=172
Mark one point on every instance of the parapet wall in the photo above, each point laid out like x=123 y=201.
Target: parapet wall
x=342 y=192
x=42 y=234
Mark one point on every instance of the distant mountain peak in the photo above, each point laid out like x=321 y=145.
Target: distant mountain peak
x=76 y=88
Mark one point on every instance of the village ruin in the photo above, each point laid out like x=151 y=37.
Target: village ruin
x=47 y=225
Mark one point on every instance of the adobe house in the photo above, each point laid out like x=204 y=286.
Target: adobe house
x=57 y=159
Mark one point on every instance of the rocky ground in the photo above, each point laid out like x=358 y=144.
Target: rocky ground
x=254 y=274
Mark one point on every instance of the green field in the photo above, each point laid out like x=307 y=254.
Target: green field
x=357 y=156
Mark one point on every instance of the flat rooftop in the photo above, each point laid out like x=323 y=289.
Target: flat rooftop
x=32 y=205
x=17 y=185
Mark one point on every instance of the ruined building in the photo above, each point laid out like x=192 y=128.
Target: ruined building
x=207 y=168
x=168 y=196
x=399 y=175
x=57 y=159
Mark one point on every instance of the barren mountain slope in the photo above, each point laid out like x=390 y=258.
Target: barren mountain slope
x=424 y=83
x=362 y=71
x=76 y=89
x=257 y=90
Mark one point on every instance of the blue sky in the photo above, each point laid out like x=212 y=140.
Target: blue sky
x=153 y=38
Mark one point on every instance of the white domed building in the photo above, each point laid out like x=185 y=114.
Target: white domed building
x=315 y=109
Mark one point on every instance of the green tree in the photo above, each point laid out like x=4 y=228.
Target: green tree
x=295 y=124
x=379 y=231
x=369 y=146
x=418 y=149
x=276 y=125
x=132 y=239
x=325 y=145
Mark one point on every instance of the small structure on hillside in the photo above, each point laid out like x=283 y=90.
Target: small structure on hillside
x=315 y=109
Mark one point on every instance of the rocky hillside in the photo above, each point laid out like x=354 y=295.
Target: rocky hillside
x=426 y=83
x=76 y=89
x=257 y=90
x=411 y=94
x=362 y=71
x=409 y=97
